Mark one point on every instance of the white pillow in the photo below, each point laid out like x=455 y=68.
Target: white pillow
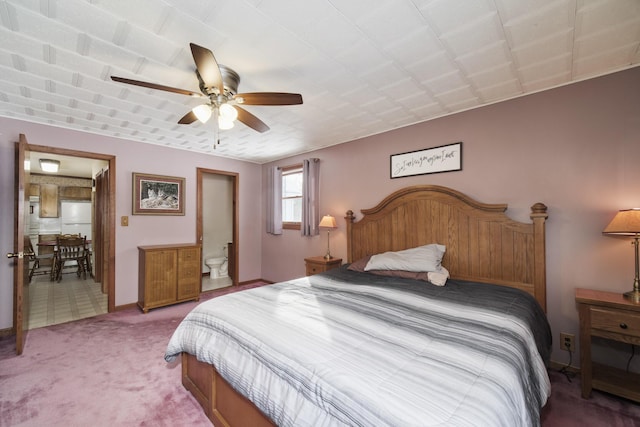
x=438 y=278
x=422 y=258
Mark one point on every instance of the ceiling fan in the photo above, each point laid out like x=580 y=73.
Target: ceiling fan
x=220 y=85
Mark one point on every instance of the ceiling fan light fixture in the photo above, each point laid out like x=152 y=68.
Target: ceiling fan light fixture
x=219 y=85
x=224 y=124
x=48 y=165
x=228 y=113
x=202 y=112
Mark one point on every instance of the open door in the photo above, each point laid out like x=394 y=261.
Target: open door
x=21 y=233
x=232 y=246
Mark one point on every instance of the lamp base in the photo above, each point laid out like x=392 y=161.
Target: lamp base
x=633 y=295
x=328 y=256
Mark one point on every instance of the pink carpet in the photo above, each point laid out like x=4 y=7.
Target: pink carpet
x=567 y=408
x=109 y=371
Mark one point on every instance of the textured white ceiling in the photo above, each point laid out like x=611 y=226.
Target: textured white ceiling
x=363 y=67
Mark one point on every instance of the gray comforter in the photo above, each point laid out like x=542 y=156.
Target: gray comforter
x=348 y=348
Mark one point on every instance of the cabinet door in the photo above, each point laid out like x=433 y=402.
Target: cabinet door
x=189 y=274
x=74 y=193
x=34 y=190
x=48 y=201
x=160 y=277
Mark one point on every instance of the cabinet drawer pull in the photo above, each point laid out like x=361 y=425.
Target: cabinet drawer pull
x=623 y=325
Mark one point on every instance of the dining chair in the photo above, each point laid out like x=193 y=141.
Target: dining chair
x=40 y=264
x=88 y=266
x=70 y=251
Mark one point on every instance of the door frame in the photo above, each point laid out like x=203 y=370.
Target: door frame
x=110 y=254
x=235 y=177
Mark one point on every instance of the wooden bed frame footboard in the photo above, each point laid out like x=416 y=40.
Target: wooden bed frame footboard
x=483 y=245
x=224 y=406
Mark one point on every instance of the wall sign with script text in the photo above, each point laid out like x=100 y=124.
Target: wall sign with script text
x=445 y=158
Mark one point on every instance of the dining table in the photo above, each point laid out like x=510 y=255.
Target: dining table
x=51 y=246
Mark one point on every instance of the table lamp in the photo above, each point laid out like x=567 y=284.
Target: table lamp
x=627 y=223
x=328 y=222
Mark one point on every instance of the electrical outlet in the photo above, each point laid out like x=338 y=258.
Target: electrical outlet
x=567 y=341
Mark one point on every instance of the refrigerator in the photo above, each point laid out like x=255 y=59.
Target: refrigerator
x=75 y=218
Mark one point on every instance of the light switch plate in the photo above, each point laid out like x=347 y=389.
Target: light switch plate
x=124 y=221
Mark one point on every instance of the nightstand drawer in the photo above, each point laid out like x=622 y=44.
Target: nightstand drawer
x=616 y=321
x=318 y=264
x=314 y=269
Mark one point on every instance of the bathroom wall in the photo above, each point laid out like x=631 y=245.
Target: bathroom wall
x=217 y=215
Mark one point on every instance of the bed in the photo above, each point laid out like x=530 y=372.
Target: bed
x=348 y=347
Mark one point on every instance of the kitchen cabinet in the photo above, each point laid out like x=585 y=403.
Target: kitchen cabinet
x=49 y=201
x=74 y=193
x=34 y=190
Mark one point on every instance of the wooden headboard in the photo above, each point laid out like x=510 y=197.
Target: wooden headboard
x=483 y=244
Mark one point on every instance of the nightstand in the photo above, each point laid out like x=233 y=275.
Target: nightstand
x=317 y=264
x=607 y=315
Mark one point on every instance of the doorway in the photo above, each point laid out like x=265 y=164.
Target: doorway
x=74 y=298
x=217 y=227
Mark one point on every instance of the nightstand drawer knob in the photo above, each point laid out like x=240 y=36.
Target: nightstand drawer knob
x=623 y=325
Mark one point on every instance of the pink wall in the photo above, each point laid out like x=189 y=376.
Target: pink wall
x=142 y=230
x=574 y=148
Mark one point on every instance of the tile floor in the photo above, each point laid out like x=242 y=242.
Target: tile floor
x=211 y=284
x=71 y=299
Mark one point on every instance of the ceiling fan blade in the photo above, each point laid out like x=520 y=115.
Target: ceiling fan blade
x=269 y=98
x=155 y=86
x=188 y=118
x=250 y=120
x=207 y=67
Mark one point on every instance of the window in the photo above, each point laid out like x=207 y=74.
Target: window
x=292 y=197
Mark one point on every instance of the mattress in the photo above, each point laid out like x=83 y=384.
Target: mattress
x=348 y=348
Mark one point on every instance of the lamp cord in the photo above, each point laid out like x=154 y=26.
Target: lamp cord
x=565 y=369
x=633 y=353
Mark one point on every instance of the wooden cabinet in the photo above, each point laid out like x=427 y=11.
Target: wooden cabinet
x=48 y=201
x=75 y=193
x=318 y=264
x=189 y=273
x=34 y=190
x=607 y=315
x=168 y=274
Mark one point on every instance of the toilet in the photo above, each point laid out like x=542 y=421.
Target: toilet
x=218 y=267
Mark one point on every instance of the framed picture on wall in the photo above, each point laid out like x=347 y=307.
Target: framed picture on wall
x=445 y=158
x=157 y=195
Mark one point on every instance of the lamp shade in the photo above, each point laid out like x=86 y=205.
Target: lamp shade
x=224 y=124
x=228 y=113
x=328 y=221
x=625 y=223
x=202 y=112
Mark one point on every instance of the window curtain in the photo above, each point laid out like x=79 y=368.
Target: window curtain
x=274 y=200
x=310 y=197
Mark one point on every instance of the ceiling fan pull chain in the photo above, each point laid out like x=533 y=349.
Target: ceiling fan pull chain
x=216 y=126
